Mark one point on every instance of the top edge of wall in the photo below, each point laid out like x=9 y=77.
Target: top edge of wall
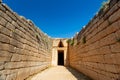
x=101 y=13
x=5 y=8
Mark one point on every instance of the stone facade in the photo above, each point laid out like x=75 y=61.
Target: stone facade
x=24 y=49
x=59 y=45
x=97 y=52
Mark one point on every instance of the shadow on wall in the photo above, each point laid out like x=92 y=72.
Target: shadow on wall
x=78 y=75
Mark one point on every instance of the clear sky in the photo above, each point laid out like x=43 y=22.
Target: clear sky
x=57 y=18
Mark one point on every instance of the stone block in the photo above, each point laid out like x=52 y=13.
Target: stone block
x=13 y=65
x=110 y=39
x=112 y=3
x=104 y=50
x=2 y=8
x=4 y=38
x=104 y=77
x=111 y=68
x=5 y=31
x=5 y=54
x=117 y=33
x=21 y=34
x=10 y=27
x=117 y=58
x=4 y=59
x=15 y=24
x=18 y=65
x=23 y=74
x=93 y=75
x=20 y=24
x=18 y=37
x=16 y=43
x=119 y=3
x=10 y=14
x=22 y=30
x=109 y=59
x=1 y=67
x=12 y=48
x=1 y=27
x=100 y=35
x=114 y=17
x=111 y=11
x=3 y=22
x=11 y=76
x=2 y=77
x=112 y=28
x=5 y=16
x=119 y=24
x=16 y=57
x=115 y=47
x=4 y=46
x=101 y=66
x=99 y=58
x=103 y=25
x=113 y=76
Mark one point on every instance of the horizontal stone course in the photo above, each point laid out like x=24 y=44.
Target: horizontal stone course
x=99 y=57
x=22 y=54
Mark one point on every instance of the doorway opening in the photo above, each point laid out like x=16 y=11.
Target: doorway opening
x=61 y=57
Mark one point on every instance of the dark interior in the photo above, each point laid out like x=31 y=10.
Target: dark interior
x=60 y=57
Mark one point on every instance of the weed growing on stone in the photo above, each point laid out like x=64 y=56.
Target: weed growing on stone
x=83 y=39
x=118 y=40
x=105 y=5
x=70 y=41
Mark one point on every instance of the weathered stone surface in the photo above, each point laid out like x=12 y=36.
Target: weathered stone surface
x=10 y=14
x=2 y=77
x=5 y=16
x=115 y=16
x=111 y=68
x=5 y=31
x=109 y=59
x=110 y=39
x=21 y=55
x=99 y=57
x=2 y=8
x=4 y=38
x=10 y=26
x=3 y=22
x=4 y=59
x=115 y=47
x=112 y=28
x=11 y=77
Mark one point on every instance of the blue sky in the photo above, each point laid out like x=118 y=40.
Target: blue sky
x=57 y=18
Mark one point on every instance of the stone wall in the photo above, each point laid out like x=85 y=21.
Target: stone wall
x=24 y=49
x=97 y=51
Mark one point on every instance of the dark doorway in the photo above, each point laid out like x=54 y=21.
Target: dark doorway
x=60 y=57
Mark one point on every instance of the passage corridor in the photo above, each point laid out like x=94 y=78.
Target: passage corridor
x=59 y=73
